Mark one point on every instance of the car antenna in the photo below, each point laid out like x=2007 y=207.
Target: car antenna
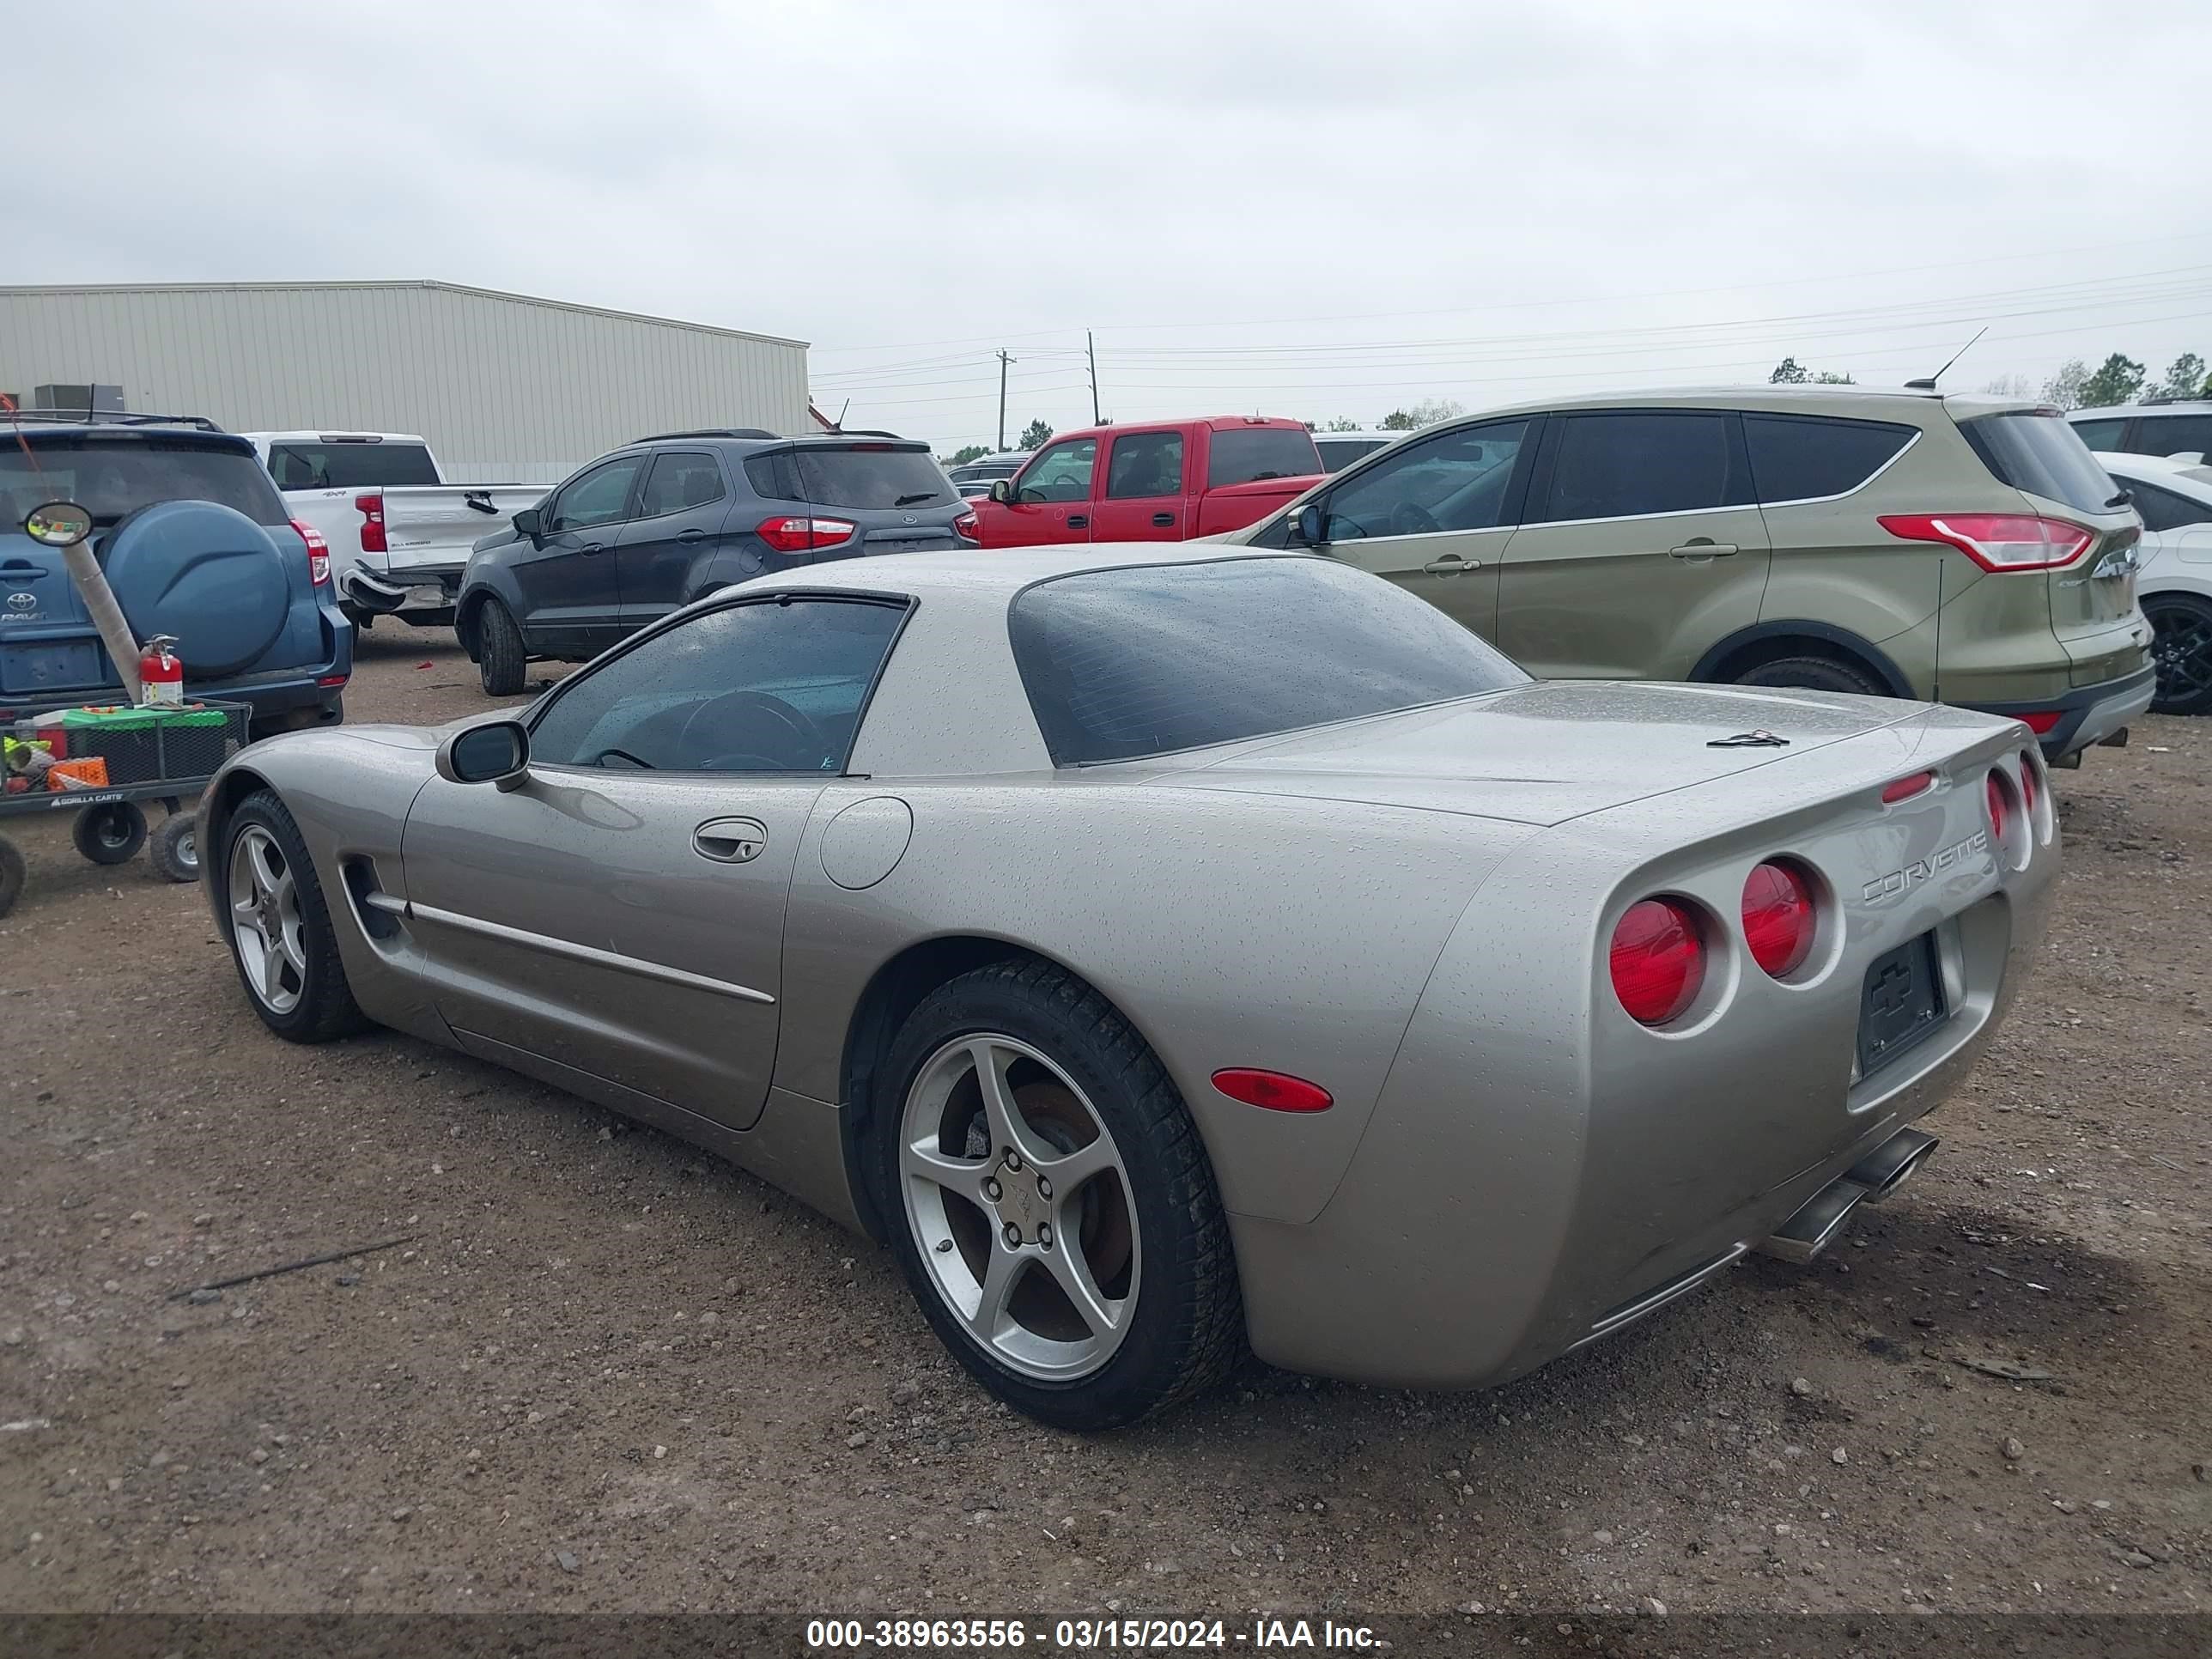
x=1929 y=384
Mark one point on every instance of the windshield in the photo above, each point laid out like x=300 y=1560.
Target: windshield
x=2040 y=453
x=1123 y=664
x=114 y=477
x=872 y=477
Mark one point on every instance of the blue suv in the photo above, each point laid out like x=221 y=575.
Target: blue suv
x=659 y=522
x=244 y=590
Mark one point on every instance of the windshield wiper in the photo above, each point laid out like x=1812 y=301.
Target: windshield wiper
x=909 y=500
x=2125 y=498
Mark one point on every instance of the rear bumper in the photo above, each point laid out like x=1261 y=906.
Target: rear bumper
x=2087 y=714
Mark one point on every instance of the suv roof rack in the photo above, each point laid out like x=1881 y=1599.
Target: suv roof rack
x=862 y=432
x=108 y=417
x=707 y=432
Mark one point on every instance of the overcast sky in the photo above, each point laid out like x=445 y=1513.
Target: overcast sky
x=1312 y=210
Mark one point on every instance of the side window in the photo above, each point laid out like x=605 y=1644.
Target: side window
x=600 y=497
x=759 y=687
x=1061 y=473
x=2101 y=435
x=1797 y=457
x=1627 y=465
x=2172 y=435
x=2165 y=509
x=1456 y=480
x=679 y=481
x=1145 y=464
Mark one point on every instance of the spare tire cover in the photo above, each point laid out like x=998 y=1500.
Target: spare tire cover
x=204 y=573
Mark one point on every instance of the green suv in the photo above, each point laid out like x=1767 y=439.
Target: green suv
x=1905 y=543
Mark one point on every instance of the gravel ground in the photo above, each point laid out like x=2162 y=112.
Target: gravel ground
x=606 y=1372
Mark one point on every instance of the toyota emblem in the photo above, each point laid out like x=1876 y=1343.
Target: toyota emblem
x=22 y=601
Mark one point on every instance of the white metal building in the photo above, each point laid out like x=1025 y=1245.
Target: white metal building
x=507 y=388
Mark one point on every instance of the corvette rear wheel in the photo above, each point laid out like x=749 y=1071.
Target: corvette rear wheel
x=1050 y=1204
x=279 y=926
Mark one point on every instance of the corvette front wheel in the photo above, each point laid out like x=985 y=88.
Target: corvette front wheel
x=1050 y=1203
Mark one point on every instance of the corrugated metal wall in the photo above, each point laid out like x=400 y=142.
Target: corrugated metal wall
x=507 y=389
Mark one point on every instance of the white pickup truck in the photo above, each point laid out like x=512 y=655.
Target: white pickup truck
x=399 y=535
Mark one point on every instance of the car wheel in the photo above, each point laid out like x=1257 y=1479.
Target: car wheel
x=173 y=850
x=14 y=873
x=500 y=660
x=279 y=927
x=2181 y=650
x=1050 y=1204
x=1814 y=674
x=111 y=834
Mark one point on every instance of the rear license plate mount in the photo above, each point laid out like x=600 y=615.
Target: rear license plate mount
x=1902 y=1002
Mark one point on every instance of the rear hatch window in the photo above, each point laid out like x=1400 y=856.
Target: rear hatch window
x=872 y=478
x=1246 y=454
x=114 y=476
x=2036 y=452
x=350 y=465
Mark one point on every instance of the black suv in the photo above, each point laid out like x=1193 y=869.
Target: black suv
x=665 y=521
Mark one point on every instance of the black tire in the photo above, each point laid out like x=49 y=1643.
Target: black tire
x=112 y=834
x=1814 y=674
x=174 y=847
x=326 y=1008
x=2181 y=648
x=1186 y=1331
x=500 y=660
x=14 y=873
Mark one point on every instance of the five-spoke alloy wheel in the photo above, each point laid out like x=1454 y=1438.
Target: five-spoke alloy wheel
x=1050 y=1202
x=271 y=904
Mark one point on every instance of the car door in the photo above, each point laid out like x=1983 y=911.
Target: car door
x=1051 y=497
x=616 y=917
x=1640 y=546
x=568 y=577
x=681 y=512
x=1147 y=489
x=1434 y=515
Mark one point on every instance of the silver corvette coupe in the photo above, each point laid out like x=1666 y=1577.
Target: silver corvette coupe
x=1164 y=949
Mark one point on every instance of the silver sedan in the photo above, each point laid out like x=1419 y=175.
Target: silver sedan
x=1170 y=950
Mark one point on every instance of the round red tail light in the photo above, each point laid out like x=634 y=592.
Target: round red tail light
x=1658 y=960
x=1998 y=807
x=1778 y=919
x=2027 y=786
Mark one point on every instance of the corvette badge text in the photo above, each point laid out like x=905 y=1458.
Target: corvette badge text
x=1900 y=881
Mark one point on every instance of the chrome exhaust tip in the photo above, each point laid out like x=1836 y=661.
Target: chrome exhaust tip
x=1806 y=1233
x=1875 y=1176
x=1892 y=1163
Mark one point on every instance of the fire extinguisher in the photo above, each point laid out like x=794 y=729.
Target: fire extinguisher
x=161 y=671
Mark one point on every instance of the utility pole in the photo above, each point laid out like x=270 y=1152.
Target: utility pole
x=1003 y=361
x=1090 y=349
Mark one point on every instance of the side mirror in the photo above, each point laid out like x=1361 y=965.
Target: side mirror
x=497 y=752
x=530 y=522
x=1310 y=524
x=1002 y=490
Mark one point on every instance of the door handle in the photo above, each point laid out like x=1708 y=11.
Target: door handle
x=592 y=547
x=1165 y=520
x=1077 y=521
x=1699 y=550
x=692 y=535
x=1451 y=564
x=21 y=573
x=730 y=841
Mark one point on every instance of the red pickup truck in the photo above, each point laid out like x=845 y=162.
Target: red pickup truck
x=1154 y=481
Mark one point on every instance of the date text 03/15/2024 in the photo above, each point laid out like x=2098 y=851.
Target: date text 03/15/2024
x=1085 y=1635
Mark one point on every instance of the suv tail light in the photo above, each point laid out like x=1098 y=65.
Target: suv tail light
x=1658 y=960
x=968 y=525
x=797 y=535
x=319 y=554
x=1778 y=918
x=1997 y=541
x=371 y=508
x=2044 y=724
